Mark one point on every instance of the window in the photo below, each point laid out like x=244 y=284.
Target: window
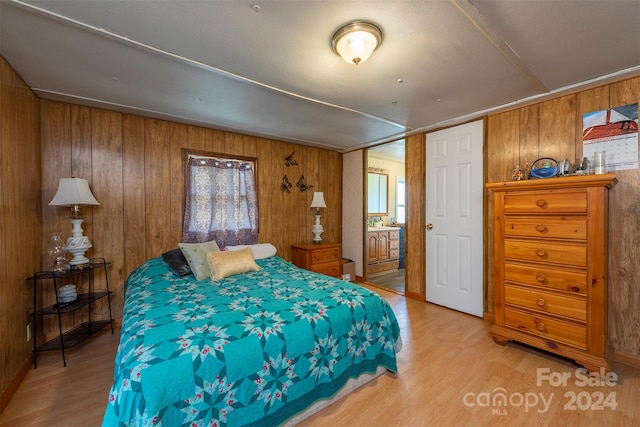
x=401 y=211
x=220 y=200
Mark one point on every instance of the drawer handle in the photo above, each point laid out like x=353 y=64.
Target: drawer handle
x=541 y=203
x=541 y=228
x=540 y=326
x=541 y=302
x=541 y=253
x=541 y=277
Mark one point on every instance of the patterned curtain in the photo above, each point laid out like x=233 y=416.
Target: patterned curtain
x=221 y=202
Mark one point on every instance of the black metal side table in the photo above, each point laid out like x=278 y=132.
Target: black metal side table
x=73 y=336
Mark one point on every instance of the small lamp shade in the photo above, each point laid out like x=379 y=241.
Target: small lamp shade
x=318 y=200
x=73 y=191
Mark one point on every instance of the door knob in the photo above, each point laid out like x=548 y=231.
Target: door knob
x=429 y=226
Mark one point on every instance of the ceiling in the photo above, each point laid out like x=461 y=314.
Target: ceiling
x=266 y=68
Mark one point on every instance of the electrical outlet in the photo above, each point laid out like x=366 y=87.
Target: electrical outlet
x=28 y=331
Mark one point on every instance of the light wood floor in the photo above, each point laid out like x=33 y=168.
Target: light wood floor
x=446 y=356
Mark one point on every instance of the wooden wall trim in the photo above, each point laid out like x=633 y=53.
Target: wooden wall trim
x=14 y=383
x=415 y=178
x=627 y=359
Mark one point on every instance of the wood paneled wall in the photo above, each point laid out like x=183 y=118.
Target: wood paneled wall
x=20 y=232
x=415 y=243
x=134 y=167
x=554 y=129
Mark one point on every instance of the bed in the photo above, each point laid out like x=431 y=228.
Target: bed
x=257 y=348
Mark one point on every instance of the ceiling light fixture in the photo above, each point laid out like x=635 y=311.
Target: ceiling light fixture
x=356 y=41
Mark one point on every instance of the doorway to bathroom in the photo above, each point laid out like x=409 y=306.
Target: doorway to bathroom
x=386 y=216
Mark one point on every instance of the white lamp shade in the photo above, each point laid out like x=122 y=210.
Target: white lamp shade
x=73 y=191
x=318 y=200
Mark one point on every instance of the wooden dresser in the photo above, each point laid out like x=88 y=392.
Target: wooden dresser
x=383 y=248
x=325 y=258
x=550 y=255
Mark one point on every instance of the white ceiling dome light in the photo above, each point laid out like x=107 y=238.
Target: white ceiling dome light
x=356 y=41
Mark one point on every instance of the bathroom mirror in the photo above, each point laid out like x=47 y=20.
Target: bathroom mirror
x=378 y=188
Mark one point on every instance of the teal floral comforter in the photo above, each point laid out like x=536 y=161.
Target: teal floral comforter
x=252 y=349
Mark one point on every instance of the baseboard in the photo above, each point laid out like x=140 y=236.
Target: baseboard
x=626 y=359
x=415 y=295
x=7 y=394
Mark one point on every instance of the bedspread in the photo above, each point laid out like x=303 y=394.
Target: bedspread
x=252 y=349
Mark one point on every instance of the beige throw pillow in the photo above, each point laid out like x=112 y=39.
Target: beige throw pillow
x=227 y=263
x=196 y=255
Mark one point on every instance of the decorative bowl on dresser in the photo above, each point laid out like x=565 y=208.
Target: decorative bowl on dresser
x=550 y=265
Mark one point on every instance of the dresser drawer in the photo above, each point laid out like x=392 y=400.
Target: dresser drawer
x=562 y=280
x=546 y=227
x=394 y=235
x=325 y=255
x=547 y=327
x=546 y=202
x=547 y=252
x=567 y=306
x=394 y=253
x=382 y=266
x=331 y=269
x=394 y=244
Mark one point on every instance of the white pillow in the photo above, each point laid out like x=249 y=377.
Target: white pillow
x=259 y=250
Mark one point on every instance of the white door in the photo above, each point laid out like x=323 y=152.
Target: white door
x=454 y=217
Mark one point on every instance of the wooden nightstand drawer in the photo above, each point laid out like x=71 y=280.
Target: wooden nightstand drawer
x=325 y=258
x=325 y=255
x=333 y=270
x=547 y=252
x=550 y=278
x=547 y=327
x=567 y=306
x=546 y=202
x=574 y=228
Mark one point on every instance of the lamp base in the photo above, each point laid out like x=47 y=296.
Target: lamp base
x=317 y=231
x=78 y=246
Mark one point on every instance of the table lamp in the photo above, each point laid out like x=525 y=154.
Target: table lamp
x=75 y=192
x=318 y=202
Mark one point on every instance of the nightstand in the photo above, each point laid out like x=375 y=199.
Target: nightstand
x=324 y=258
x=69 y=338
